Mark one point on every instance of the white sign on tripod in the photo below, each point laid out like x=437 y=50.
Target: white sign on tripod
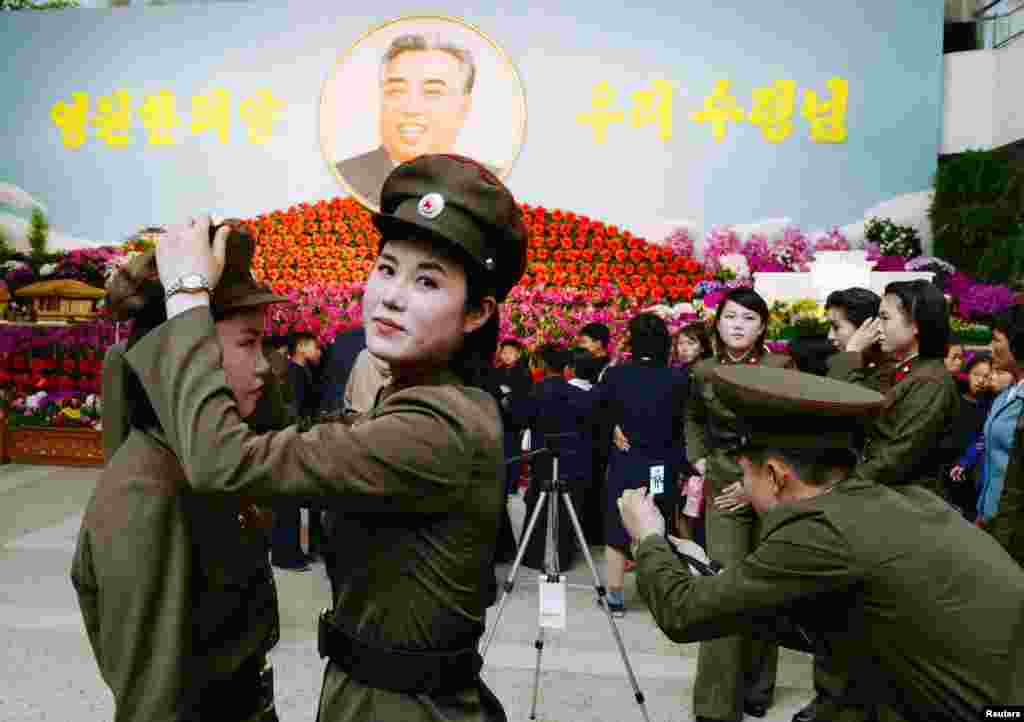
x=552 y=602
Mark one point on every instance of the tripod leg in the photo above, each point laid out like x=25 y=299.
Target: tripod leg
x=511 y=579
x=539 y=645
x=601 y=592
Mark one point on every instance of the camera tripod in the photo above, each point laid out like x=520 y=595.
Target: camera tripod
x=553 y=491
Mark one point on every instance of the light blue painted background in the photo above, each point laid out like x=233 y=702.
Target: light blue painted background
x=890 y=52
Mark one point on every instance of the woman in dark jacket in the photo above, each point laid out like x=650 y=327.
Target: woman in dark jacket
x=647 y=401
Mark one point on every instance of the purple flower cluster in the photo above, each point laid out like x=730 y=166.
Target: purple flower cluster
x=891 y=264
x=978 y=300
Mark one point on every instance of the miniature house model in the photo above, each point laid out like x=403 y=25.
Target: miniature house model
x=62 y=299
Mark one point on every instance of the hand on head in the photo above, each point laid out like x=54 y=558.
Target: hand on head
x=185 y=248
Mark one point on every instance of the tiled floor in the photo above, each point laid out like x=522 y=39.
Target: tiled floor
x=48 y=672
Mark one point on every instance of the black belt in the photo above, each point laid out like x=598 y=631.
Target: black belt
x=249 y=692
x=398 y=670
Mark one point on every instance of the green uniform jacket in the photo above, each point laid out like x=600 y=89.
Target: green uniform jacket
x=428 y=463
x=705 y=415
x=920 y=605
x=175 y=593
x=902 y=443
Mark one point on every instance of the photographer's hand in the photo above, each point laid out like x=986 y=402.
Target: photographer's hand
x=639 y=514
x=620 y=440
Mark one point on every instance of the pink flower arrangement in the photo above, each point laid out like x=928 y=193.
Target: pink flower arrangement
x=834 y=240
x=679 y=242
x=793 y=252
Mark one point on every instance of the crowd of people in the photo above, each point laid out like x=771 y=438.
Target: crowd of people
x=860 y=496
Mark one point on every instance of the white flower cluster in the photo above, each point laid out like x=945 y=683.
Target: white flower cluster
x=35 y=400
x=667 y=313
x=14 y=265
x=735 y=263
x=47 y=269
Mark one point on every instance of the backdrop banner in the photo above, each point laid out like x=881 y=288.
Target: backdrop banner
x=722 y=113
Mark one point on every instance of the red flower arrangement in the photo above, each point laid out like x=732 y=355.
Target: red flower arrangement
x=334 y=241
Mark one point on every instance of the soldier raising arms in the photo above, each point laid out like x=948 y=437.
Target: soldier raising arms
x=176 y=591
x=920 y=606
x=418 y=483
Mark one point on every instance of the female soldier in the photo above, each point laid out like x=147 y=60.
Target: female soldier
x=176 y=592
x=902 y=444
x=736 y=674
x=417 y=484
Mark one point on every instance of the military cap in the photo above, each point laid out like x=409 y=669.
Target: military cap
x=137 y=283
x=786 y=409
x=458 y=201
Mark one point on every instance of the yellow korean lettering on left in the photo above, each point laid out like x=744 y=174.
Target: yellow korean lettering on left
x=114 y=117
x=720 y=109
x=259 y=114
x=72 y=119
x=212 y=112
x=828 y=118
x=773 y=110
x=602 y=115
x=654 y=106
x=159 y=117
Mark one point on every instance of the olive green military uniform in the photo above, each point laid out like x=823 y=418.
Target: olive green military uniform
x=419 y=491
x=901 y=444
x=924 y=604
x=923 y=608
x=903 y=441
x=176 y=592
x=737 y=669
x=875 y=372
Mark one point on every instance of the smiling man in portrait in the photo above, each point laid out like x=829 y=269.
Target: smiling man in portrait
x=426 y=86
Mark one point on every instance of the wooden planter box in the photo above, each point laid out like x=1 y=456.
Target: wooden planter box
x=44 y=445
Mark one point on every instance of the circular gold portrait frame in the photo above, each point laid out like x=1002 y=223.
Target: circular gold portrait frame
x=500 y=55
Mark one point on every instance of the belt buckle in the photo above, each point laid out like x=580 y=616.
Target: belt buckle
x=321 y=632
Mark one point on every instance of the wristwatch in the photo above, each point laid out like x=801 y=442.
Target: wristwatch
x=189 y=283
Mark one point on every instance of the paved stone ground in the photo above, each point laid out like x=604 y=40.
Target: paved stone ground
x=47 y=671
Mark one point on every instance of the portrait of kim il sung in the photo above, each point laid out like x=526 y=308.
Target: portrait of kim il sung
x=419 y=85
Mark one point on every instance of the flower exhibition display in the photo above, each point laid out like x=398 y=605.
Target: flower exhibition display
x=579 y=270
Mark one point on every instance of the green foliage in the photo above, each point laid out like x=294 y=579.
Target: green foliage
x=893 y=239
x=1003 y=261
x=6 y=249
x=978 y=206
x=38 y=232
x=29 y=5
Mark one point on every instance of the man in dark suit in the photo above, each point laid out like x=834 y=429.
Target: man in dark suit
x=595 y=338
x=556 y=408
x=426 y=87
x=341 y=356
x=512 y=379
